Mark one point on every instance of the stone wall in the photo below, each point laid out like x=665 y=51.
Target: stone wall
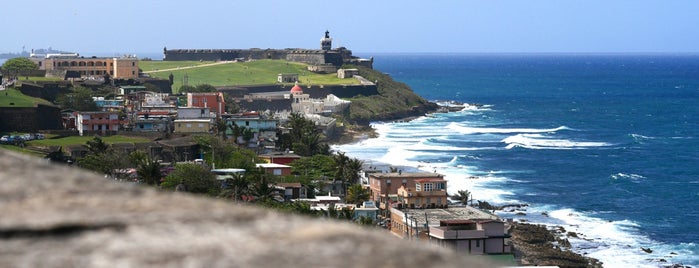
x=30 y=119
x=61 y=216
x=315 y=91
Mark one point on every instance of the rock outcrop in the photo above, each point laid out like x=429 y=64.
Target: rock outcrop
x=58 y=216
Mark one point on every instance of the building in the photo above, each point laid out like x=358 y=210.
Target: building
x=471 y=236
x=264 y=131
x=152 y=121
x=418 y=223
x=275 y=169
x=212 y=100
x=283 y=158
x=97 y=122
x=385 y=185
x=425 y=193
x=193 y=120
x=347 y=73
x=117 y=68
x=292 y=190
x=368 y=210
x=288 y=78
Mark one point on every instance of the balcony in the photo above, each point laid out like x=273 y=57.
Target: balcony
x=442 y=233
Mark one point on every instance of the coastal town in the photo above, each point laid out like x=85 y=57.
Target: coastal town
x=265 y=144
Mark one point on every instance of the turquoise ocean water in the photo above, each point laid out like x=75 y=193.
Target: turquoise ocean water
x=606 y=146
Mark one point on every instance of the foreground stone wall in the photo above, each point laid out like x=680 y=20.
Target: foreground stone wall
x=57 y=216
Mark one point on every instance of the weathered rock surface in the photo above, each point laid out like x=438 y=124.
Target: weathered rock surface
x=56 y=216
x=534 y=245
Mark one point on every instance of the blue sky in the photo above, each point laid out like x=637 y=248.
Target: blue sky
x=377 y=26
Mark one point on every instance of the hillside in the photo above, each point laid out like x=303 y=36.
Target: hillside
x=258 y=72
x=396 y=100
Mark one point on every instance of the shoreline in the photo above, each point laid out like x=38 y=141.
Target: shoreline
x=533 y=244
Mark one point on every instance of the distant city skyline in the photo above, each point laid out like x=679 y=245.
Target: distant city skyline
x=538 y=26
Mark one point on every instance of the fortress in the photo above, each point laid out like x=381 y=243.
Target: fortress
x=325 y=59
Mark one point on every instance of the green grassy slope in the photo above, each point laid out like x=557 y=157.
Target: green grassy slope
x=13 y=98
x=395 y=101
x=257 y=72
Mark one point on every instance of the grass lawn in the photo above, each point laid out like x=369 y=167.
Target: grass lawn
x=11 y=95
x=258 y=72
x=74 y=140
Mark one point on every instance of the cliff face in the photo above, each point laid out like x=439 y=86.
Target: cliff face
x=57 y=216
x=395 y=100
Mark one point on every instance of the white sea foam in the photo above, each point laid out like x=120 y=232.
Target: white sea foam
x=535 y=141
x=625 y=176
x=483 y=130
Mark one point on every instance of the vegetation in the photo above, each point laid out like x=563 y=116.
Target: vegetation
x=256 y=72
x=395 y=100
x=19 y=66
x=75 y=140
x=195 y=179
x=356 y=194
x=80 y=99
x=462 y=196
x=14 y=98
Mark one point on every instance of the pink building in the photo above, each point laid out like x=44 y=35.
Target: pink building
x=101 y=122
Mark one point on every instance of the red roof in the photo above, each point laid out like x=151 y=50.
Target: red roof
x=296 y=89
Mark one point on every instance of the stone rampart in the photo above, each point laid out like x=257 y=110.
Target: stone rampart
x=30 y=119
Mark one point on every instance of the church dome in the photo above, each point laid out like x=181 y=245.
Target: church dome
x=296 y=89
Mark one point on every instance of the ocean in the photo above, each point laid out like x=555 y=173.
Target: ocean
x=606 y=146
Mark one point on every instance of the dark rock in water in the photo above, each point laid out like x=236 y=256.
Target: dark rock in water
x=572 y=234
x=521 y=214
x=647 y=250
x=60 y=216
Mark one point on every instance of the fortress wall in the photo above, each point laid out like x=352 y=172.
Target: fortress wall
x=30 y=119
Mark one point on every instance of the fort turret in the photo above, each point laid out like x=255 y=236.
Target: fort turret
x=326 y=42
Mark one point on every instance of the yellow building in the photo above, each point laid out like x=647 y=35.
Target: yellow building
x=117 y=68
x=192 y=125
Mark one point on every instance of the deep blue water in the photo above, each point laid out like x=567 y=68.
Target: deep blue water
x=605 y=145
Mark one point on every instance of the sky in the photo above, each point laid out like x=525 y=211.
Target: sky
x=375 y=26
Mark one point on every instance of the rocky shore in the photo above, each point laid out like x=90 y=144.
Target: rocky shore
x=538 y=246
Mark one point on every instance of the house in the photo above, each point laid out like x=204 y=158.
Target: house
x=275 y=169
x=425 y=193
x=212 y=100
x=368 y=210
x=193 y=120
x=443 y=224
x=293 y=190
x=471 y=236
x=152 y=121
x=97 y=122
x=383 y=185
x=264 y=131
x=93 y=67
x=283 y=158
x=192 y=126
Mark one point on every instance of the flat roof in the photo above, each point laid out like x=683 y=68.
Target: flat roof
x=435 y=215
x=407 y=175
x=271 y=165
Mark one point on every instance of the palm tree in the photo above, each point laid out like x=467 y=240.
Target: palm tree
x=463 y=196
x=352 y=169
x=239 y=186
x=148 y=171
x=356 y=194
x=220 y=127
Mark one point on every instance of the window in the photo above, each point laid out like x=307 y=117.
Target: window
x=478 y=243
x=201 y=125
x=418 y=187
x=440 y=186
x=189 y=125
x=133 y=63
x=277 y=172
x=428 y=187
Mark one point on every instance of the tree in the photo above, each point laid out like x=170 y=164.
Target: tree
x=19 y=66
x=147 y=169
x=220 y=127
x=80 y=99
x=261 y=188
x=237 y=187
x=463 y=196
x=357 y=194
x=352 y=169
x=187 y=88
x=194 y=177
